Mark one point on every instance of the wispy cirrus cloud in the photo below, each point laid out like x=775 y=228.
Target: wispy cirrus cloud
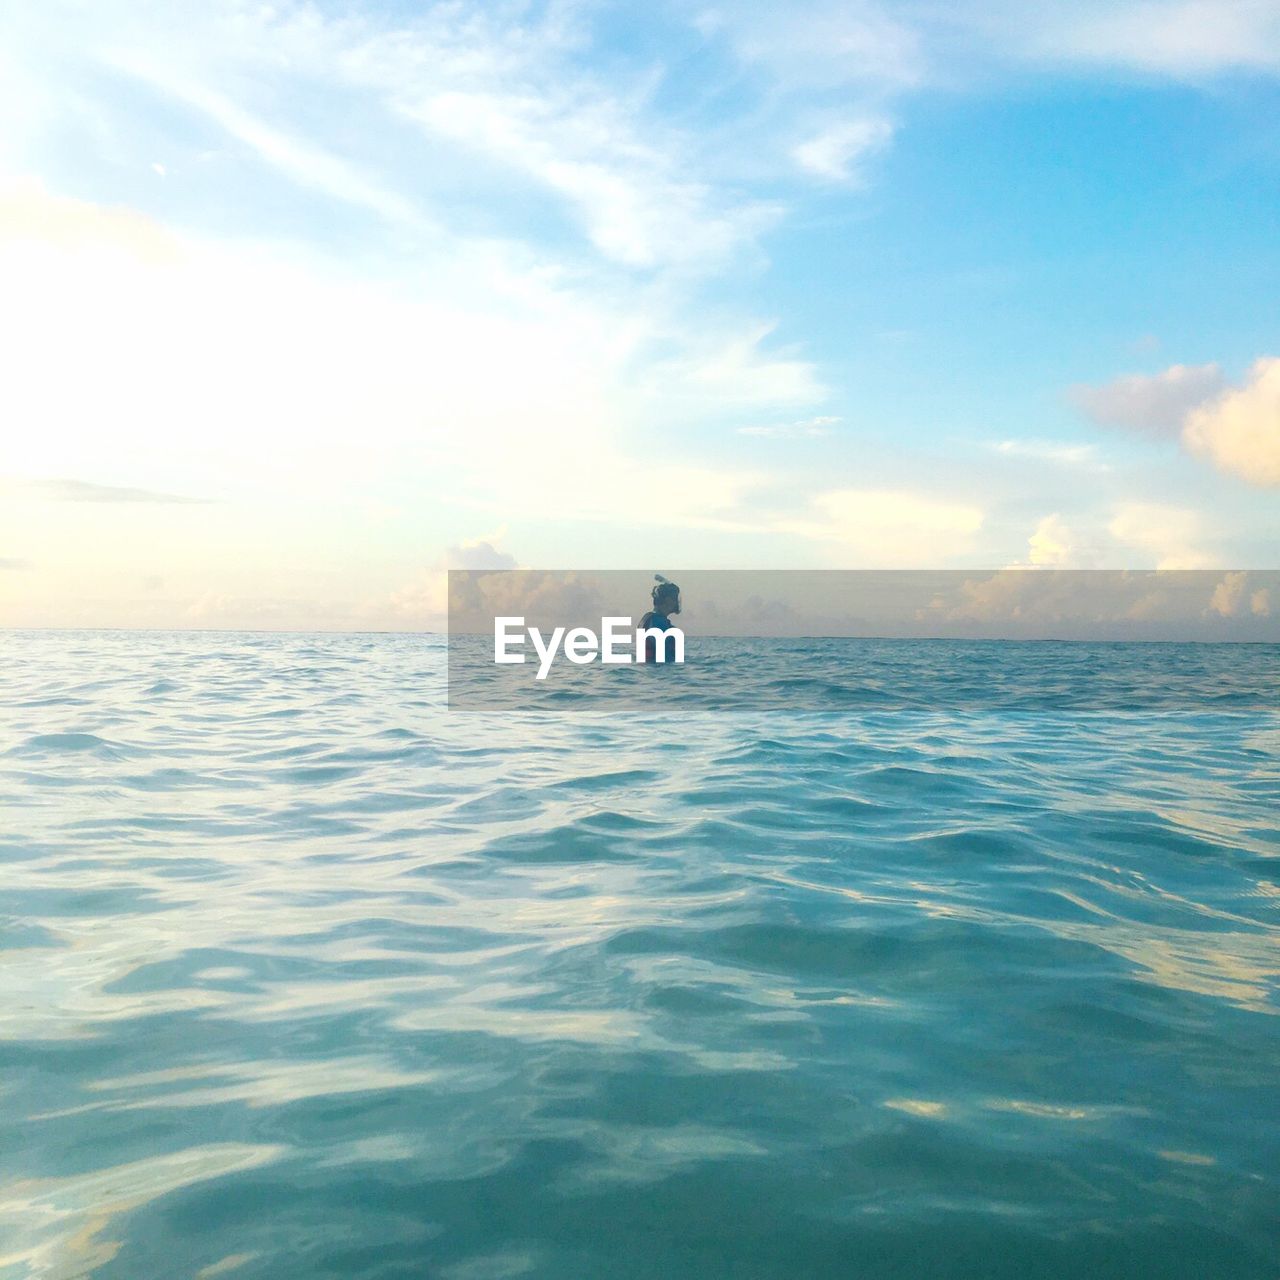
x=803 y=428
x=491 y=95
x=839 y=151
x=85 y=491
x=828 y=55
x=1184 y=39
x=489 y=99
x=1060 y=453
x=309 y=164
x=886 y=47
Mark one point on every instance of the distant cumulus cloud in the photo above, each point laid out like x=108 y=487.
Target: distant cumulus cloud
x=1236 y=596
x=1056 y=544
x=480 y=554
x=1170 y=535
x=1052 y=545
x=1239 y=432
x=1117 y=605
x=1153 y=404
x=1236 y=428
x=425 y=601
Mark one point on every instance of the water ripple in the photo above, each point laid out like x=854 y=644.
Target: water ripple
x=305 y=976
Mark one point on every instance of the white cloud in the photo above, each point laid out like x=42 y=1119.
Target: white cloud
x=1029 y=599
x=527 y=309
x=823 y=44
x=1228 y=595
x=498 y=98
x=305 y=163
x=888 y=529
x=636 y=206
x=823 y=425
x=1052 y=545
x=1169 y=535
x=478 y=553
x=1232 y=597
x=225 y=363
x=424 y=602
x=723 y=369
x=837 y=153
x=203 y=365
x=295 y=390
x=1070 y=605
x=1182 y=38
x=1240 y=431
x=1062 y=454
x=83 y=491
x=879 y=49
x=1236 y=429
x=1155 y=404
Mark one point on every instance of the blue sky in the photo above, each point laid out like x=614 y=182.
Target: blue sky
x=308 y=302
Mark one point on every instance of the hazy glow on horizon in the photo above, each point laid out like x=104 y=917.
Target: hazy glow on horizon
x=304 y=303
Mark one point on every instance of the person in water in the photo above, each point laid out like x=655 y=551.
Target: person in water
x=666 y=602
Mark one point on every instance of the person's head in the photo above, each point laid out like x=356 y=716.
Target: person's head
x=666 y=598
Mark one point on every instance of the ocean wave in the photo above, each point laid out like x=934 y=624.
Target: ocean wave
x=307 y=976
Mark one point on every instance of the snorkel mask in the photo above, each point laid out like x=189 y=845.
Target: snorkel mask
x=666 y=595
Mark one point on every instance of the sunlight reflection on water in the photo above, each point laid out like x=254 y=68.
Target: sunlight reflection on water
x=305 y=976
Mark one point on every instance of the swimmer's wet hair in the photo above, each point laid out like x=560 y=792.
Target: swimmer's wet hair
x=664 y=590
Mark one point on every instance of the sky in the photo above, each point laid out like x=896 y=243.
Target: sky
x=303 y=304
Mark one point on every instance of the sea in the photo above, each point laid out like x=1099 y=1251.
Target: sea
x=307 y=974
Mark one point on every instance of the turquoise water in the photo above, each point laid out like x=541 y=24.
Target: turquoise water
x=305 y=977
